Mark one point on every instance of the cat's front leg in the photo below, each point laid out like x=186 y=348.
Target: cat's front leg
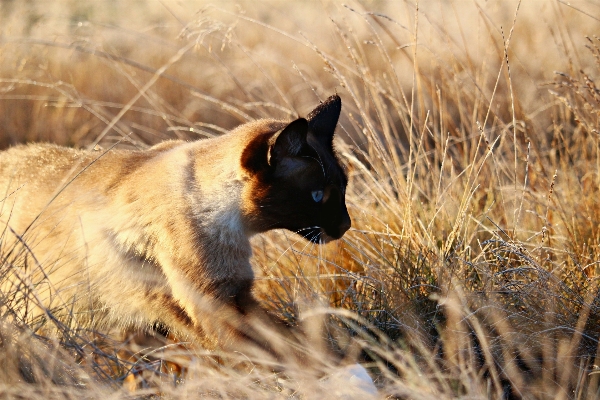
x=255 y=326
x=233 y=318
x=221 y=312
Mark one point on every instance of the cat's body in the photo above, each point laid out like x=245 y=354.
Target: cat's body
x=136 y=237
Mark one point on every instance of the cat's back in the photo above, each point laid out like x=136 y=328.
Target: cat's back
x=31 y=171
x=46 y=164
x=37 y=158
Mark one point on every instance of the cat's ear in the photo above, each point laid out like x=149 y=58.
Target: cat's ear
x=288 y=142
x=323 y=119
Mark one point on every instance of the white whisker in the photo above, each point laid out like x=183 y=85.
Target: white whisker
x=307 y=228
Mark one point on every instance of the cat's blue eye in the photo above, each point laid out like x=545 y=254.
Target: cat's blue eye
x=317 y=195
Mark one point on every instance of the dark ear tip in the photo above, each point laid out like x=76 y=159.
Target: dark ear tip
x=332 y=104
x=335 y=99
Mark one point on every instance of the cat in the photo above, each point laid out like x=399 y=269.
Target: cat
x=136 y=237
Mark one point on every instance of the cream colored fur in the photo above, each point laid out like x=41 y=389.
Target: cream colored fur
x=129 y=237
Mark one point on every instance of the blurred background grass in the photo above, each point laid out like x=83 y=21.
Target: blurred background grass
x=470 y=130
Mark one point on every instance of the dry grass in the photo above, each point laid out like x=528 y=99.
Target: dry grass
x=474 y=166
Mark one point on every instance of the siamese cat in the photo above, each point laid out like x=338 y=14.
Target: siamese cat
x=162 y=235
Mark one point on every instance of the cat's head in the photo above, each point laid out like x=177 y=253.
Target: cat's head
x=295 y=180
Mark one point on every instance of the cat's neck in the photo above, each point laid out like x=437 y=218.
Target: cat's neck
x=214 y=195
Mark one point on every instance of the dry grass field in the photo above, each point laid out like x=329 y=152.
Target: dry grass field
x=471 y=133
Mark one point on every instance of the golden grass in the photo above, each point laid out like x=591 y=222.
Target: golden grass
x=472 y=265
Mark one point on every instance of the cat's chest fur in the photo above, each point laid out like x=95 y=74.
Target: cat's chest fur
x=193 y=212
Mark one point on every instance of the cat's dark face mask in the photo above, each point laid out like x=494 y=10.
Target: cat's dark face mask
x=302 y=185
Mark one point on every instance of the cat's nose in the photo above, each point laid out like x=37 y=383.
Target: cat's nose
x=345 y=224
